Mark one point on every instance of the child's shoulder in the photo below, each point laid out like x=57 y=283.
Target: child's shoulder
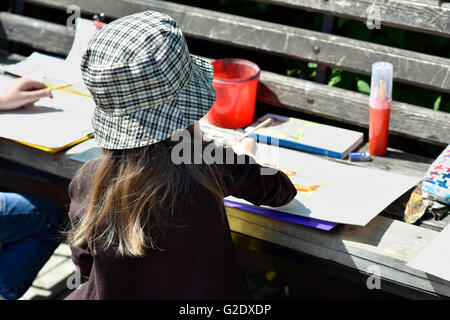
x=89 y=169
x=83 y=178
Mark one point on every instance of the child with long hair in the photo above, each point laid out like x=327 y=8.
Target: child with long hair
x=144 y=224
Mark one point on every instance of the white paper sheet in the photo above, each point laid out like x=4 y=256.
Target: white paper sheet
x=435 y=258
x=36 y=67
x=343 y=193
x=85 y=30
x=52 y=123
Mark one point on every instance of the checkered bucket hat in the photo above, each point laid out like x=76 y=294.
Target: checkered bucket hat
x=144 y=82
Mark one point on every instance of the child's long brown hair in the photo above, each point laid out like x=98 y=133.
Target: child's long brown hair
x=131 y=190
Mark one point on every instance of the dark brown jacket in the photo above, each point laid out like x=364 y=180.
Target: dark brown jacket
x=197 y=261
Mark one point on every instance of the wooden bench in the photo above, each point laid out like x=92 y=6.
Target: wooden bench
x=349 y=251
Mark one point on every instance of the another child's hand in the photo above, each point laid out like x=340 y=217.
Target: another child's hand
x=24 y=94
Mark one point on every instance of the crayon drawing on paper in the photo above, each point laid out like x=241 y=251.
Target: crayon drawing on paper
x=332 y=191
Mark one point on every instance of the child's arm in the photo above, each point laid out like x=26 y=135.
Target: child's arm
x=258 y=185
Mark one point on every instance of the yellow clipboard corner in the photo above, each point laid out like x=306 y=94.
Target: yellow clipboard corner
x=55 y=150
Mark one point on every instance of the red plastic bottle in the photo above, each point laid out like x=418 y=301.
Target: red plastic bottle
x=379 y=130
x=380 y=107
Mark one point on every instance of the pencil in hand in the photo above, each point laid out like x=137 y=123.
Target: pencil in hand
x=58 y=87
x=259 y=126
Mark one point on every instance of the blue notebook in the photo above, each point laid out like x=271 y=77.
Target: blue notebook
x=307 y=136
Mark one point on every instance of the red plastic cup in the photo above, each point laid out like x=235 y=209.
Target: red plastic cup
x=235 y=82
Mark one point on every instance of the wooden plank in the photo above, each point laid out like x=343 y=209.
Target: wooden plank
x=384 y=243
x=322 y=72
x=348 y=54
x=351 y=107
x=56 y=279
x=51 y=264
x=427 y=16
x=57 y=164
x=423 y=124
x=394 y=161
x=258 y=255
x=40 y=35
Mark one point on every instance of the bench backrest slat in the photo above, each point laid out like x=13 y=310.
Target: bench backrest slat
x=38 y=34
x=427 y=16
x=352 y=55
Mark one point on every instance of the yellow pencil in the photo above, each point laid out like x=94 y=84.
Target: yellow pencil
x=58 y=87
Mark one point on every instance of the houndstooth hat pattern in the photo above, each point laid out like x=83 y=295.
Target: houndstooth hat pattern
x=144 y=81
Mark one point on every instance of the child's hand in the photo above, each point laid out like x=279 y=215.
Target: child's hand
x=24 y=94
x=245 y=146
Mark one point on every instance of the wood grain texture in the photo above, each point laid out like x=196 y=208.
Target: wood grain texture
x=352 y=55
x=427 y=16
x=40 y=35
x=395 y=161
x=56 y=164
x=296 y=94
x=383 y=243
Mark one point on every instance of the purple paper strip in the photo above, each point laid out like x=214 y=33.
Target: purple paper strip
x=310 y=222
